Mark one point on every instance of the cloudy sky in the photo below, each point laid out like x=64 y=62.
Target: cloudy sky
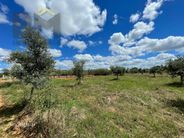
x=130 y=33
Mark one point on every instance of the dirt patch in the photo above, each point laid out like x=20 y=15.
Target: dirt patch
x=112 y=109
x=63 y=77
x=4 y=81
x=77 y=113
x=1 y=102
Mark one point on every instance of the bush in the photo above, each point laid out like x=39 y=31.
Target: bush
x=134 y=70
x=176 y=68
x=61 y=73
x=98 y=72
x=118 y=71
x=78 y=70
x=156 y=69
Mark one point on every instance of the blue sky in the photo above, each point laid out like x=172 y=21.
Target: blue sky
x=140 y=33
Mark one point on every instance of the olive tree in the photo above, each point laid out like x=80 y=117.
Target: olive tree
x=34 y=63
x=17 y=71
x=155 y=69
x=176 y=68
x=117 y=71
x=6 y=72
x=134 y=70
x=78 y=70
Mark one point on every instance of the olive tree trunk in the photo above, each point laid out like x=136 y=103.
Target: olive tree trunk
x=31 y=94
x=117 y=77
x=182 y=79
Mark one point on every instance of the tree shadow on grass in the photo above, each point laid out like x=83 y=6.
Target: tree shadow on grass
x=178 y=103
x=115 y=79
x=69 y=85
x=7 y=111
x=7 y=84
x=174 y=84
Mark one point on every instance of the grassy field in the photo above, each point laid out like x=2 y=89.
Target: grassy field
x=134 y=106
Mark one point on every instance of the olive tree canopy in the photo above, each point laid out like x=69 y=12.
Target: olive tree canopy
x=176 y=68
x=34 y=63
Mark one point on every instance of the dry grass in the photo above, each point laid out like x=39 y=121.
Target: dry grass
x=5 y=80
x=135 y=106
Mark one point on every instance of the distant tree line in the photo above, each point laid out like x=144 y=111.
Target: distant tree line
x=116 y=70
x=172 y=67
x=56 y=72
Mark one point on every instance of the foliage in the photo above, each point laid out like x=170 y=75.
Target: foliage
x=98 y=72
x=6 y=72
x=118 y=71
x=176 y=68
x=134 y=70
x=56 y=72
x=35 y=62
x=17 y=71
x=157 y=69
x=78 y=70
x=142 y=71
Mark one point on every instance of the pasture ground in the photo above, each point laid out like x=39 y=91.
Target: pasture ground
x=134 y=106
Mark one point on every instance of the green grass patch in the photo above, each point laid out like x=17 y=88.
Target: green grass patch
x=134 y=106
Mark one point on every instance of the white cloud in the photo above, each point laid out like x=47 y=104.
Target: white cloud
x=64 y=65
x=4 y=54
x=151 y=10
x=140 y=29
x=25 y=17
x=85 y=57
x=93 y=43
x=3 y=19
x=3 y=14
x=115 y=19
x=32 y=6
x=134 y=17
x=55 y=52
x=148 y=45
x=76 y=44
x=160 y=59
x=98 y=61
x=120 y=43
x=84 y=17
x=63 y=41
x=180 y=51
x=77 y=18
x=166 y=44
x=116 y=39
x=4 y=8
x=93 y=62
x=100 y=42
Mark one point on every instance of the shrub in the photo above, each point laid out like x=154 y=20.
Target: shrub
x=134 y=70
x=78 y=70
x=118 y=71
x=34 y=63
x=156 y=69
x=98 y=72
x=176 y=68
